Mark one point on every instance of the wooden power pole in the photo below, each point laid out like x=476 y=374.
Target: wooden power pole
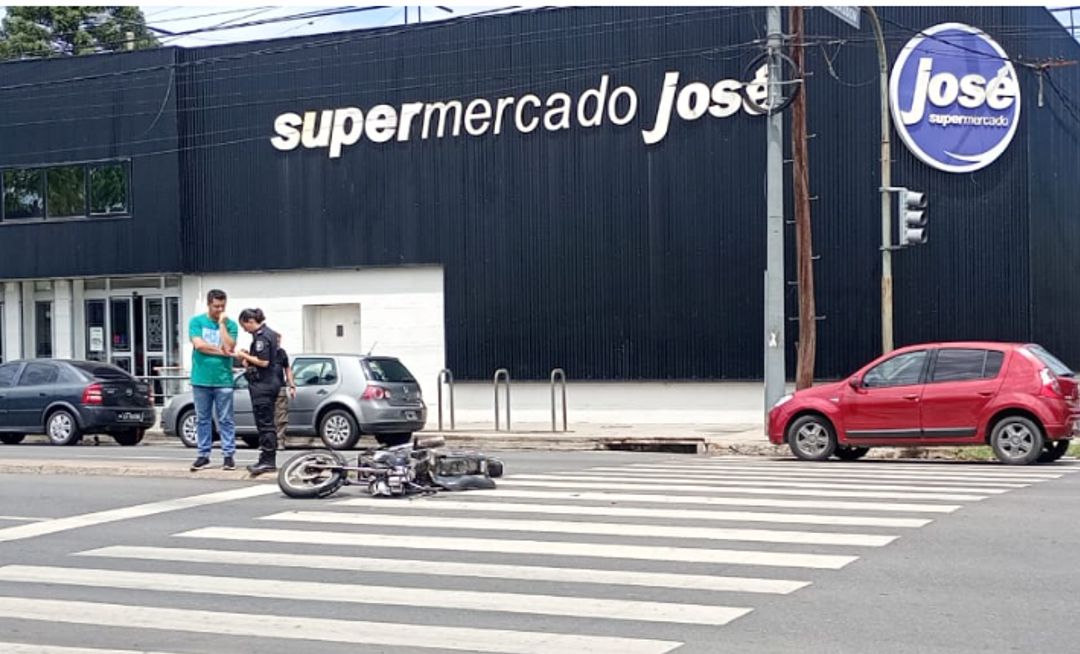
x=804 y=251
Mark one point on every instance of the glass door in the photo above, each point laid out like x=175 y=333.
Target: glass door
x=121 y=329
x=96 y=328
x=153 y=340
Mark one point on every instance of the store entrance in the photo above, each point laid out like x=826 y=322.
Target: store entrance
x=139 y=333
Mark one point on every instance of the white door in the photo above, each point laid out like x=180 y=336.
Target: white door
x=334 y=328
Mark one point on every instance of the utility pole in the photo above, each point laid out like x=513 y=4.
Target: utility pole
x=886 y=199
x=804 y=250
x=775 y=374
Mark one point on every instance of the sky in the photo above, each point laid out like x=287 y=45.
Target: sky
x=188 y=17
x=180 y=18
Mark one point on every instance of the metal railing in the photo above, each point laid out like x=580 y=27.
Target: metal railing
x=445 y=377
x=504 y=375
x=163 y=386
x=558 y=375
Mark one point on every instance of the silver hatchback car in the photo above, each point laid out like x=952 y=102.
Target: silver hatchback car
x=338 y=398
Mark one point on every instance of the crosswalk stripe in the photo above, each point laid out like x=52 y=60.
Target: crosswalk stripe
x=26 y=648
x=669 y=487
x=388 y=634
x=466 y=600
x=693 y=472
x=715 y=481
x=452 y=569
x=955 y=469
x=385 y=517
x=129 y=512
x=541 y=548
x=628 y=512
x=643 y=498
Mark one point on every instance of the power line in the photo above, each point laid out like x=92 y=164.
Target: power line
x=558 y=75
x=357 y=37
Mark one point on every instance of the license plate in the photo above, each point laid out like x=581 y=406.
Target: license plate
x=410 y=415
x=129 y=416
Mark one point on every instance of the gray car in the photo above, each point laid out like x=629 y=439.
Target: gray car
x=339 y=397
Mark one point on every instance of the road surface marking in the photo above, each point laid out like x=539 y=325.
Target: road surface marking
x=542 y=548
x=434 y=504
x=127 y=513
x=463 y=600
x=23 y=648
x=452 y=569
x=22 y=518
x=997 y=472
x=388 y=634
x=598 y=496
x=599 y=477
x=668 y=487
x=862 y=478
x=385 y=517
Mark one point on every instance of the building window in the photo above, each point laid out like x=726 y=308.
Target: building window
x=3 y=331
x=22 y=194
x=95 y=331
x=108 y=190
x=43 y=330
x=66 y=192
x=72 y=191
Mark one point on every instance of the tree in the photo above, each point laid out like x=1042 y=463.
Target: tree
x=53 y=31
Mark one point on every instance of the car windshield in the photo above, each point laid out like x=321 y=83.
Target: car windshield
x=1050 y=361
x=389 y=370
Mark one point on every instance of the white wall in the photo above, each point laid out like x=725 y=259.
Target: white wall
x=400 y=308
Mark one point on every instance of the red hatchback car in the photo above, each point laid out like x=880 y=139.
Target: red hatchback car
x=1019 y=399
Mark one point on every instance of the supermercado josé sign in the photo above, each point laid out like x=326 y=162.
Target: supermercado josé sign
x=955 y=98
x=336 y=129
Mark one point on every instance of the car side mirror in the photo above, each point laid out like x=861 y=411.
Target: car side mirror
x=854 y=383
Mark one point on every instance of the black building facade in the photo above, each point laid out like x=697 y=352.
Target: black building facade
x=594 y=241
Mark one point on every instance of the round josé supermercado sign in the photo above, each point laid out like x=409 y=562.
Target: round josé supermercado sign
x=955 y=98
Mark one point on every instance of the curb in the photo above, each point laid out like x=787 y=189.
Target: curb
x=120 y=469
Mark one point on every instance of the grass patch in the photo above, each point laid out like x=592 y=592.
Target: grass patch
x=977 y=453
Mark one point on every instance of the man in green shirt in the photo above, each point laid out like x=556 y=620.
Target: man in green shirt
x=213 y=337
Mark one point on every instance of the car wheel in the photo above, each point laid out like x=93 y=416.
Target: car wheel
x=1016 y=441
x=187 y=427
x=390 y=440
x=849 y=453
x=130 y=438
x=12 y=439
x=811 y=438
x=338 y=430
x=1054 y=450
x=62 y=428
x=251 y=441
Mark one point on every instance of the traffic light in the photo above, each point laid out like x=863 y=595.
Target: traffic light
x=911 y=217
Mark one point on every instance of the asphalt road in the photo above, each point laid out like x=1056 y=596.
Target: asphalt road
x=628 y=553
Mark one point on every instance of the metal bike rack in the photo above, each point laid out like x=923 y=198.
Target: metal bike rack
x=504 y=375
x=558 y=375
x=446 y=377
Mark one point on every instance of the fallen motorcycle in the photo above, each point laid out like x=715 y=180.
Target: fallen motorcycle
x=418 y=467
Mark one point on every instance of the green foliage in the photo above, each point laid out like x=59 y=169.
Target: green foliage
x=53 y=31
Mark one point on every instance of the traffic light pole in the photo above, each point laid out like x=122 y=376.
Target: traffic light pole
x=775 y=374
x=886 y=198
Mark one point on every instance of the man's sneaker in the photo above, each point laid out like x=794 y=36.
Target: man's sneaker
x=229 y=464
x=200 y=463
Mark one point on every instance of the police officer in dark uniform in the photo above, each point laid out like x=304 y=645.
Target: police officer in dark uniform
x=264 y=381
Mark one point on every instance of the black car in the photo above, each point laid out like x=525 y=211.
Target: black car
x=66 y=400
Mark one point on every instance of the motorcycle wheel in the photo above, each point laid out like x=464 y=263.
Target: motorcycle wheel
x=300 y=479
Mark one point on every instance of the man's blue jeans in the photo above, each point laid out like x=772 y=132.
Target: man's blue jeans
x=211 y=401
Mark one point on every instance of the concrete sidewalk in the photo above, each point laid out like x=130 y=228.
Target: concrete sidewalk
x=675 y=438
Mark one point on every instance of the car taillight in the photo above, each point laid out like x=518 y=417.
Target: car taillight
x=375 y=393
x=92 y=394
x=1050 y=385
